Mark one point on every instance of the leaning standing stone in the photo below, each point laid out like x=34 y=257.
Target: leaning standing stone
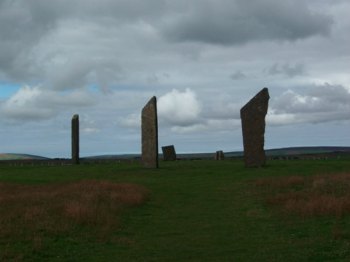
x=169 y=153
x=75 y=139
x=253 y=129
x=149 y=133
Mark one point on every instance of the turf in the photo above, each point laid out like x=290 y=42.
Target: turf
x=196 y=211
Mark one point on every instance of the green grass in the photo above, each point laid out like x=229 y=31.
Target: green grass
x=197 y=211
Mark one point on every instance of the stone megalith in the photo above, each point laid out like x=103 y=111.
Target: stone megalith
x=219 y=155
x=149 y=134
x=169 y=153
x=75 y=139
x=253 y=129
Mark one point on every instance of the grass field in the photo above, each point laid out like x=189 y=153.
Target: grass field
x=184 y=211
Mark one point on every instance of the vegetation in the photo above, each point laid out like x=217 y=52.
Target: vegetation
x=184 y=211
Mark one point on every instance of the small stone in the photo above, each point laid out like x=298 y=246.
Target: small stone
x=169 y=153
x=219 y=155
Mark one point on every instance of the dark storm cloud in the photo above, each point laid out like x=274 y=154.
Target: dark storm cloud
x=25 y=24
x=39 y=29
x=228 y=22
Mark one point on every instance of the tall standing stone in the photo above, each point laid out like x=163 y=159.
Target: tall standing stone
x=169 y=153
x=149 y=133
x=75 y=139
x=253 y=129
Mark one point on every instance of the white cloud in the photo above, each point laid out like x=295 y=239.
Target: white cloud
x=189 y=129
x=321 y=103
x=23 y=105
x=35 y=103
x=179 y=108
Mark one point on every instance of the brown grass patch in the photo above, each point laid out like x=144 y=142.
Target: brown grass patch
x=31 y=212
x=321 y=195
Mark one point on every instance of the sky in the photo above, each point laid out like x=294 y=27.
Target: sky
x=202 y=59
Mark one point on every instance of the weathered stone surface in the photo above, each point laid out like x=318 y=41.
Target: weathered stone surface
x=149 y=133
x=219 y=155
x=169 y=153
x=75 y=139
x=253 y=129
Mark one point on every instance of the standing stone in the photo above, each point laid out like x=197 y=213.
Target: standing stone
x=169 y=153
x=253 y=129
x=149 y=130
x=75 y=139
x=219 y=155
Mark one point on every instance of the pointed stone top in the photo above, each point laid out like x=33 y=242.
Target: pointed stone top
x=151 y=103
x=152 y=100
x=262 y=95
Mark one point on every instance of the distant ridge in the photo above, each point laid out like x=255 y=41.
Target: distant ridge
x=122 y=156
x=308 y=150
x=286 y=151
x=12 y=156
x=290 y=151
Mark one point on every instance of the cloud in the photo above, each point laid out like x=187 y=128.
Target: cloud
x=179 y=108
x=223 y=110
x=131 y=121
x=106 y=58
x=189 y=129
x=238 y=75
x=287 y=69
x=36 y=103
x=67 y=44
x=228 y=22
x=88 y=125
x=321 y=103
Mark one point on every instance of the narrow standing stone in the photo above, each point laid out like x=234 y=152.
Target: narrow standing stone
x=149 y=134
x=75 y=139
x=169 y=153
x=253 y=129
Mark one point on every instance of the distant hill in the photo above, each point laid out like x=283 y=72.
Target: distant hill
x=288 y=151
x=111 y=157
x=10 y=156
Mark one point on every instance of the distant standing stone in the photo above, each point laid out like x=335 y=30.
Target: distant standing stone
x=253 y=129
x=75 y=139
x=149 y=133
x=219 y=155
x=169 y=153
